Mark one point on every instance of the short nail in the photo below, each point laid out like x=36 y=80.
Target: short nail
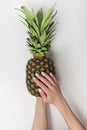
x=51 y=73
x=36 y=74
x=42 y=73
x=39 y=89
x=33 y=78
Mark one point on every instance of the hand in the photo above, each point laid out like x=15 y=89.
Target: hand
x=50 y=90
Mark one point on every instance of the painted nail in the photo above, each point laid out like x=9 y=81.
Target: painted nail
x=39 y=89
x=36 y=74
x=51 y=73
x=43 y=73
x=33 y=78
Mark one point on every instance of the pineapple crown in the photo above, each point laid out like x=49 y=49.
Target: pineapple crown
x=41 y=29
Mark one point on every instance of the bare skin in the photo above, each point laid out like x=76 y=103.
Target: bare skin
x=40 y=118
x=51 y=93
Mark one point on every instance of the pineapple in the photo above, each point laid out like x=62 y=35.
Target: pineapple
x=41 y=32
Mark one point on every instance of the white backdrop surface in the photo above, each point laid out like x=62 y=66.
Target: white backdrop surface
x=69 y=51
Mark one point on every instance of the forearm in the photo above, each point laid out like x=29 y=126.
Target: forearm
x=40 y=117
x=71 y=120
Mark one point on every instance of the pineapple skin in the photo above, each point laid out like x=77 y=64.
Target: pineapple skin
x=37 y=65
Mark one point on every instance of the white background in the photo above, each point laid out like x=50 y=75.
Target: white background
x=69 y=51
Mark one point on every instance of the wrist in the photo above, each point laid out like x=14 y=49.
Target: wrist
x=60 y=103
x=40 y=101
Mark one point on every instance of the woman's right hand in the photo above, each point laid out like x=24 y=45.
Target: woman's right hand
x=50 y=90
x=51 y=94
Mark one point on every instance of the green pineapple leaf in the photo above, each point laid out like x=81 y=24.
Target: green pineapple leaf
x=46 y=52
x=38 y=50
x=35 y=19
x=33 y=32
x=43 y=37
x=41 y=53
x=51 y=36
x=50 y=33
x=30 y=34
x=27 y=14
x=46 y=24
x=44 y=49
x=33 y=42
x=32 y=48
x=46 y=18
x=47 y=42
x=29 y=44
x=37 y=46
x=19 y=10
x=41 y=29
x=24 y=23
x=36 y=28
x=54 y=14
x=51 y=27
x=40 y=16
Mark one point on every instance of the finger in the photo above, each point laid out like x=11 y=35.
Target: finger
x=54 y=78
x=49 y=78
x=44 y=80
x=40 y=84
x=43 y=95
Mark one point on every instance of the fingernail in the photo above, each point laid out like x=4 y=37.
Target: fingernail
x=51 y=73
x=36 y=74
x=42 y=73
x=33 y=78
x=39 y=89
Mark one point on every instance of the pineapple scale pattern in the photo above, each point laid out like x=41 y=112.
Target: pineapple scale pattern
x=37 y=65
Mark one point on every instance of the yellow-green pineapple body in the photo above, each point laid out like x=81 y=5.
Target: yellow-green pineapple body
x=37 y=65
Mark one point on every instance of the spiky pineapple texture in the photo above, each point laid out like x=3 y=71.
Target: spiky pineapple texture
x=41 y=32
x=41 y=29
x=37 y=65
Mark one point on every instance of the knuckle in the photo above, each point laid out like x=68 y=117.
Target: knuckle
x=44 y=80
x=41 y=84
x=47 y=82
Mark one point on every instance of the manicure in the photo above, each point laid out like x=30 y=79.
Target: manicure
x=39 y=89
x=51 y=73
x=33 y=78
x=36 y=74
x=43 y=73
